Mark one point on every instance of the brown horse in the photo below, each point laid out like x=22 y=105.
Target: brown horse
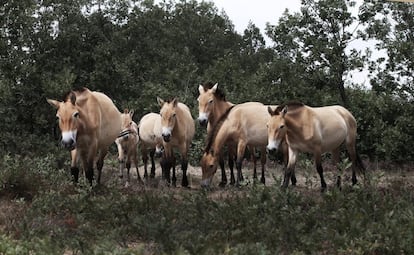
x=243 y=124
x=212 y=104
x=150 y=139
x=89 y=122
x=127 y=143
x=316 y=130
x=177 y=130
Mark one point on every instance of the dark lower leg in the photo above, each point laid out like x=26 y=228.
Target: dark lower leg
x=184 y=165
x=320 y=172
x=231 y=166
x=152 y=153
x=223 y=173
x=75 y=173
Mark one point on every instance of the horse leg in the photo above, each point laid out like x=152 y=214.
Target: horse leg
x=152 y=153
x=353 y=156
x=240 y=154
x=99 y=163
x=128 y=167
x=144 y=156
x=74 y=169
x=263 y=162
x=318 y=163
x=172 y=165
x=232 y=154
x=223 y=171
x=165 y=166
x=335 y=161
x=134 y=156
x=254 y=159
x=184 y=166
x=121 y=158
x=289 y=168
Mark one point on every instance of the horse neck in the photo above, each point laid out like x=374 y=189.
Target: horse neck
x=220 y=108
x=219 y=139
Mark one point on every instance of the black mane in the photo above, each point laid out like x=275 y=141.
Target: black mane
x=212 y=135
x=219 y=93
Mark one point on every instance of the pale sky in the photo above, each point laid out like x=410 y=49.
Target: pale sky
x=259 y=12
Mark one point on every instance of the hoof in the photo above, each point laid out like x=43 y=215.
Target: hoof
x=222 y=184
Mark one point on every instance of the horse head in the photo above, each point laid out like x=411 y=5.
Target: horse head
x=276 y=127
x=205 y=103
x=69 y=117
x=168 y=117
x=208 y=167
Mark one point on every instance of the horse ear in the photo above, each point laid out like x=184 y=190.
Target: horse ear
x=201 y=89
x=126 y=110
x=53 y=103
x=175 y=101
x=214 y=88
x=160 y=101
x=270 y=111
x=72 y=98
x=284 y=110
x=131 y=113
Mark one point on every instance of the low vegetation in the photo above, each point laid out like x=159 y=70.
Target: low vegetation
x=45 y=213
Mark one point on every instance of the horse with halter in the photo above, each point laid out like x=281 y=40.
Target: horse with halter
x=127 y=144
x=89 y=123
x=315 y=130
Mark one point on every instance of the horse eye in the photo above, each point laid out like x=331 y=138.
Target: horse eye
x=174 y=115
x=211 y=101
x=282 y=126
x=76 y=115
x=211 y=166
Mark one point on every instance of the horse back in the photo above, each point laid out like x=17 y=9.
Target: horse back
x=187 y=126
x=105 y=118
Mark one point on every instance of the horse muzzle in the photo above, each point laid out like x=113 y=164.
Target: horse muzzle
x=69 y=145
x=166 y=137
x=203 y=122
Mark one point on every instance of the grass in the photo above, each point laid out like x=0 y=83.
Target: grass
x=58 y=217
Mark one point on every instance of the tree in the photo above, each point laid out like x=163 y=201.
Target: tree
x=318 y=38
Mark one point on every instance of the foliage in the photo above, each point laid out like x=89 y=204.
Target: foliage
x=371 y=218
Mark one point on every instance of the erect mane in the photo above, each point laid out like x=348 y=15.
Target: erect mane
x=219 y=93
x=212 y=135
x=293 y=105
x=68 y=94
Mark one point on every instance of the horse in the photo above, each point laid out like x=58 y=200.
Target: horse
x=315 y=130
x=150 y=139
x=212 y=104
x=89 y=123
x=127 y=144
x=243 y=124
x=177 y=130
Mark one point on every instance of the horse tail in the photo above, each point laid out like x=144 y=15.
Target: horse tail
x=360 y=164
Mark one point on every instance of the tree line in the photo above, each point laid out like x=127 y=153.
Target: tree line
x=136 y=50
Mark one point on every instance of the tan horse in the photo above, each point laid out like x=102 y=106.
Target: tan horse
x=178 y=130
x=150 y=139
x=127 y=143
x=89 y=122
x=315 y=130
x=212 y=104
x=243 y=124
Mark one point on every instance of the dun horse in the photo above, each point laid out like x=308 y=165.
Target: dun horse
x=212 y=104
x=89 y=122
x=177 y=131
x=150 y=139
x=243 y=124
x=314 y=130
x=127 y=144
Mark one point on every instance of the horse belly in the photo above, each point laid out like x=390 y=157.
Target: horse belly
x=332 y=140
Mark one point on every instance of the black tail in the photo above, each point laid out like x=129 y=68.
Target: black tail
x=360 y=164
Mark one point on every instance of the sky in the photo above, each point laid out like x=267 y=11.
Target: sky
x=259 y=12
